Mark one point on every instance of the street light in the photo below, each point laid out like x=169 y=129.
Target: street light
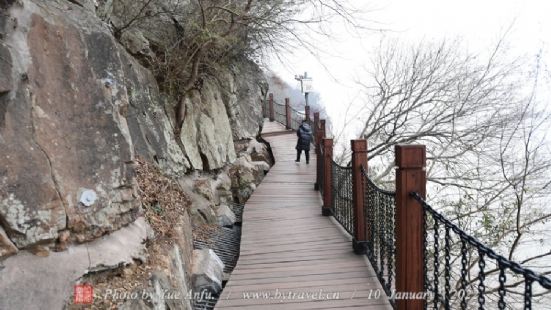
x=305 y=85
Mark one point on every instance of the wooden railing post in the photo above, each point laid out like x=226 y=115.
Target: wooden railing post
x=319 y=135
x=327 y=176
x=307 y=112
x=321 y=132
x=359 y=159
x=410 y=177
x=271 y=106
x=287 y=114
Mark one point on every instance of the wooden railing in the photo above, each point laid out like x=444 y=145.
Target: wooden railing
x=391 y=228
x=284 y=113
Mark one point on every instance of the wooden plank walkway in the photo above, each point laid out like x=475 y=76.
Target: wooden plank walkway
x=291 y=256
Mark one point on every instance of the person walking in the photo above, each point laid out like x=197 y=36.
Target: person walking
x=304 y=134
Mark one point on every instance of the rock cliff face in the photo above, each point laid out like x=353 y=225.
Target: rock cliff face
x=76 y=110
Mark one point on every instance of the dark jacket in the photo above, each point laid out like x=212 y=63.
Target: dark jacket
x=304 y=134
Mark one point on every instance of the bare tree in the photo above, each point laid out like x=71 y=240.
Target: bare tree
x=193 y=39
x=484 y=128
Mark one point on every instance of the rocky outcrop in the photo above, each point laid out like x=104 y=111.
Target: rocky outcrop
x=33 y=282
x=63 y=129
x=225 y=215
x=75 y=111
x=245 y=87
x=207 y=271
x=245 y=175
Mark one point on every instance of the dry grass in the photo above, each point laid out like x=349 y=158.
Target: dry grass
x=163 y=199
x=205 y=232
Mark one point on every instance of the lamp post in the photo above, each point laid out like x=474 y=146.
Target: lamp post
x=305 y=87
x=305 y=84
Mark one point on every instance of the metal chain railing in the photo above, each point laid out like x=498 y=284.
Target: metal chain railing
x=341 y=188
x=471 y=285
x=380 y=210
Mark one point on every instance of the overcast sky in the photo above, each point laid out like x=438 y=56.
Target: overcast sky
x=478 y=24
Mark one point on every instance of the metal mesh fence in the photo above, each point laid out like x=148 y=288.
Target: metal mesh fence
x=380 y=210
x=341 y=188
x=463 y=273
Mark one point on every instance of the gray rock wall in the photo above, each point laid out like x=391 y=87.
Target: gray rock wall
x=76 y=109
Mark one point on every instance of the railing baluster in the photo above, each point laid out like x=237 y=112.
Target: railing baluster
x=390 y=241
x=381 y=213
x=447 y=268
x=527 y=293
x=463 y=275
x=481 y=284
x=501 y=290
x=436 y=278
x=426 y=286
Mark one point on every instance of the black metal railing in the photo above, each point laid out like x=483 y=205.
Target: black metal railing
x=380 y=210
x=463 y=273
x=341 y=189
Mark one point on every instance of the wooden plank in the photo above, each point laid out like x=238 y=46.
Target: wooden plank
x=287 y=246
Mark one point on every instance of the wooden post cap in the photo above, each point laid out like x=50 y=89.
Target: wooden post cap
x=410 y=156
x=359 y=146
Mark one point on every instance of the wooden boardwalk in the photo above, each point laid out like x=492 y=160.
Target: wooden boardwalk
x=291 y=256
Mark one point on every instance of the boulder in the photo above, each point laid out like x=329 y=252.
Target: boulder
x=202 y=213
x=180 y=272
x=222 y=188
x=183 y=235
x=207 y=271
x=225 y=215
x=244 y=171
x=242 y=194
x=259 y=152
x=135 y=42
x=203 y=187
x=261 y=167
